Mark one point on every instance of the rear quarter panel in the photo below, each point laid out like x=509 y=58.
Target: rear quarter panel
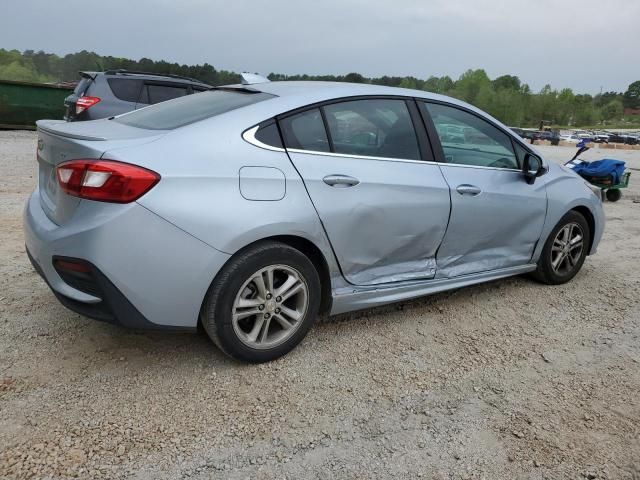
x=199 y=192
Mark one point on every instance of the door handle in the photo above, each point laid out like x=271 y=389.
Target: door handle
x=340 y=181
x=468 y=190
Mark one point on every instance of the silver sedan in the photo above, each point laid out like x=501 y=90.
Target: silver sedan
x=252 y=209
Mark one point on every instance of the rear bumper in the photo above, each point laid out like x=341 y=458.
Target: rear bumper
x=113 y=306
x=146 y=272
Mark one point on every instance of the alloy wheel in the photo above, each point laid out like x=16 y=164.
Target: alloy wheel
x=270 y=306
x=567 y=248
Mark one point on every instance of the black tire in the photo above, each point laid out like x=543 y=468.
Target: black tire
x=545 y=272
x=217 y=311
x=613 y=194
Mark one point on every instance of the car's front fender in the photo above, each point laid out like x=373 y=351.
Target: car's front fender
x=567 y=191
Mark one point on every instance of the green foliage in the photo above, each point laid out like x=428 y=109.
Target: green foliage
x=504 y=97
x=506 y=82
x=632 y=95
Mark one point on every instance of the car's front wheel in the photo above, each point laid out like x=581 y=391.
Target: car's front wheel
x=565 y=250
x=262 y=303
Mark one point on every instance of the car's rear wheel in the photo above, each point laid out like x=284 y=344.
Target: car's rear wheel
x=565 y=250
x=262 y=303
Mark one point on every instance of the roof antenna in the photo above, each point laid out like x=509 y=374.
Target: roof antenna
x=251 y=78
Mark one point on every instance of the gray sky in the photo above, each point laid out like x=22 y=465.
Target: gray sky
x=582 y=44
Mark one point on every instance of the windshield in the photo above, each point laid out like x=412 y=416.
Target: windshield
x=189 y=109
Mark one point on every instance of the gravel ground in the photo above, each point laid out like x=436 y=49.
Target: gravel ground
x=506 y=380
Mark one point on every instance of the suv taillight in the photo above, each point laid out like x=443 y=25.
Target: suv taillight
x=85 y=102
x=105 y=180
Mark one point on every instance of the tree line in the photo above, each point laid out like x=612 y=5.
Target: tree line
x=505 y=97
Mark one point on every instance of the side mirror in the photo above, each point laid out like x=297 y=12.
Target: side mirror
x=532 y=168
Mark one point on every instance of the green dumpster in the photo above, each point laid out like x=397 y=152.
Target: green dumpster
x=22 y=103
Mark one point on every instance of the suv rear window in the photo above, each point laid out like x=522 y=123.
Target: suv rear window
x=189 y=109
x=125 y=88
x=162 y=93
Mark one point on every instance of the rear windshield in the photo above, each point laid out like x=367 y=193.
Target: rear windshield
x=192 y=108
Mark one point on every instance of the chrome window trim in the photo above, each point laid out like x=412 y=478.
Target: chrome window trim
x=362 y=157
x=249 y=136
x=389 y=159
x=445 y=164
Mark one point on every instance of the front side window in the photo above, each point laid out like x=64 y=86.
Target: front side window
x=375 y=127
x=469 y=140
x=305 y=131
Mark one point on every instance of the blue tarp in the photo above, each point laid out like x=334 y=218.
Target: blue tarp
x=601 y=168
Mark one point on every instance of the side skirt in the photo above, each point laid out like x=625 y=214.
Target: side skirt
x=347 y=299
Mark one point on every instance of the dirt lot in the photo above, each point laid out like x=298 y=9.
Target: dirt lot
x=507 y=380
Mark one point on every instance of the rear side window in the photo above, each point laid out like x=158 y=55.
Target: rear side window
x=189 y=109
x=305 y=131
x=125 y=89
x=269 y=135
x=162 y=93
x=375 y=128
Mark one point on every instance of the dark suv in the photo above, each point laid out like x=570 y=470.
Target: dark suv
x=105 y=94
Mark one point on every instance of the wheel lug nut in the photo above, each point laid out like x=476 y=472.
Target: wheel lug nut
x=261 y=307
x=266 y=315
x=277 y=310
x=268 y=296
x=278 y=299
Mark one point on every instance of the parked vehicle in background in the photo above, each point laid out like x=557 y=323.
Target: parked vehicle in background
x=518 y=131
x=105 y=94
x=630 y=140
x=551 y=136
x=531 y=134
x=571 y=138
x=250 y=209
x=616 y=138
x=623 y=138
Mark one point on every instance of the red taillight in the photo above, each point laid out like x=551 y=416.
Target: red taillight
x=105 y=180
x=85 y=102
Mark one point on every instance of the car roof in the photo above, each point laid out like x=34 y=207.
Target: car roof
x=297 y=94
x=329 y=90
x=146 y=76
x=300 y=93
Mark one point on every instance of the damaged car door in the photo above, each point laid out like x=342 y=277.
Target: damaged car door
x=371 y=177
x=496 y=216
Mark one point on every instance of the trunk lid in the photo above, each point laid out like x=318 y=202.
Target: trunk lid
x=59 y=141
